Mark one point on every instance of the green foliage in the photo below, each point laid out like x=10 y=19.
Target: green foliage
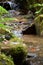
x=38 y=7
x=3 y=11
x=2 y=20
x=5 y=60
x=39 y=11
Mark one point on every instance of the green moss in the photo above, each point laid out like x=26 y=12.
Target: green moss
x=17 y=51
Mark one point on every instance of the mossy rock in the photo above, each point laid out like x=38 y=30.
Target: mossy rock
x=17 y=51
x=4 y=60
x=3 y=29
x=39 y=24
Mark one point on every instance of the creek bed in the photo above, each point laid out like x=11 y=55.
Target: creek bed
x=35 y=46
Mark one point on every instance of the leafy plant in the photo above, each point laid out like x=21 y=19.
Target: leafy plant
x=38 y=7
x=2 y=20
x=3 y=11
x=5 y=60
